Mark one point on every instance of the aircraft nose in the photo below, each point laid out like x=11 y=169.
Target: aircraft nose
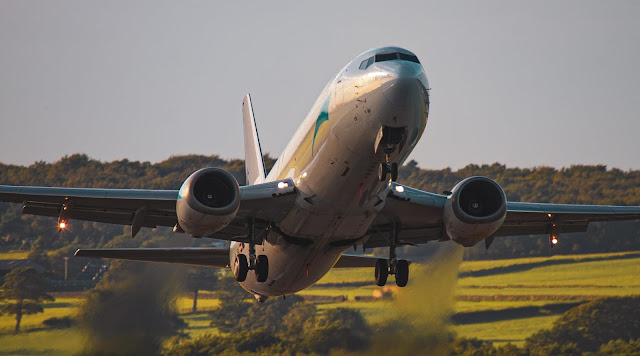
x=400 y=90
x=405 y=83
x=403 y=69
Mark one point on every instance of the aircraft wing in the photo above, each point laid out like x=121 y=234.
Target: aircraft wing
x=150 y=208
x=419 y=214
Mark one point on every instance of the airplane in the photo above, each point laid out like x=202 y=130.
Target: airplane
x=333 y=187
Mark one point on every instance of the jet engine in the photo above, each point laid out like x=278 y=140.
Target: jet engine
x=207 y=202
x=474 y=210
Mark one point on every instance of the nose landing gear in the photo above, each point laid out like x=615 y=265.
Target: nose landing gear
x=399 y=268
x=391 y=139
x=385 y=168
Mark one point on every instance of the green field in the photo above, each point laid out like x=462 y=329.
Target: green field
x=14 y=255
x=499 y=301
x=496 y=297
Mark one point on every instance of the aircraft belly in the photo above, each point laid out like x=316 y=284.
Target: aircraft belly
x=291 y=268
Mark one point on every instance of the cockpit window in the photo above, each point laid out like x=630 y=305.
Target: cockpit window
x=408 y=57
x=396 y=55
x=366 y=63
x=369 y=61
x=388 y=57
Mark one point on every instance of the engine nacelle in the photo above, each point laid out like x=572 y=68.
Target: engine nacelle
x=475 y=209
x=208 y=200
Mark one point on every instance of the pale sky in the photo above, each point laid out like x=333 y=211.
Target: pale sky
x=526 y=84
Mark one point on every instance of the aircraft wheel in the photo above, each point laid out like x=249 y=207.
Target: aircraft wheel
x=262 y=268
x=402 y=273
x=382 y=172
x=382 y=272
x=394 y=172
x=240 y=267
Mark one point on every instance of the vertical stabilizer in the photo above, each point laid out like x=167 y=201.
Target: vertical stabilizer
x=254 y=164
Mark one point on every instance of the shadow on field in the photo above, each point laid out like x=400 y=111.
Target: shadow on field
x=488 y=316
x=552 y=262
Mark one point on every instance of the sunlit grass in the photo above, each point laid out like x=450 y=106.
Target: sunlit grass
x=14 y=255
x=185 y=303
x=479 y=265
x=533 y=279
x=42 y=342
x=61 y=307
x=501 y=332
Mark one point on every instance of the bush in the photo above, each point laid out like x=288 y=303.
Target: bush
x=59 y=323
x=590 y=325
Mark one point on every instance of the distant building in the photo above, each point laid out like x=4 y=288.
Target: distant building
x=92 y=272
x=7 y=266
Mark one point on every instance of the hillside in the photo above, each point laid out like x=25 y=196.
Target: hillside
x=576 y=184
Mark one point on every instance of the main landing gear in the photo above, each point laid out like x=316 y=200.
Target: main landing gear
x=399 y=268
x=258 y=264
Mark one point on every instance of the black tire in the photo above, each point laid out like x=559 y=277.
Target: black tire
x=382 y=172
x=262 y=268
x=402 y=273
x=240 y=267
x=394 y=172
x=382 y=272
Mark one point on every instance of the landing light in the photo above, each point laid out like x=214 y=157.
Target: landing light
x=554 y=241
x=62 y=225
x=282 y=185
x=399 y=189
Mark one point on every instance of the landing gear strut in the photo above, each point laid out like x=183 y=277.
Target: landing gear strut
x=386 y=168
x=258 y=264
x=399 y=268
x=392 y=138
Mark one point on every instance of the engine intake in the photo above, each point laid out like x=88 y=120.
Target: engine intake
x=207 y=202
x=475 y=209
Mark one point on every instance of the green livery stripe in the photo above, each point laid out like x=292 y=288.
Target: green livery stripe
x=322 y=117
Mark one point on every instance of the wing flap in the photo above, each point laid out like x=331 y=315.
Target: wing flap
x=194 y=256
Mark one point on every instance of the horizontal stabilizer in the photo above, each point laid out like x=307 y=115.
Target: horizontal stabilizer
x=355 y=261
x=195 y=256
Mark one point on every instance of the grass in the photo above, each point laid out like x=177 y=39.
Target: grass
x=504 y=287
x=185 y=303
x=42 y=342
x=524 y=290
x=61 y=307
x=14 y=255
x=501 y=332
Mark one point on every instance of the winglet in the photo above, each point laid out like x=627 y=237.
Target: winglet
x=254 y=164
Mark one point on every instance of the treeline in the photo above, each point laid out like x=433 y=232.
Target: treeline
x=606 y=326
x=579 y=184
x=576 y=184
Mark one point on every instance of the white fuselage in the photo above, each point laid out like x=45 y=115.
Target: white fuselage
x=333 y=159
